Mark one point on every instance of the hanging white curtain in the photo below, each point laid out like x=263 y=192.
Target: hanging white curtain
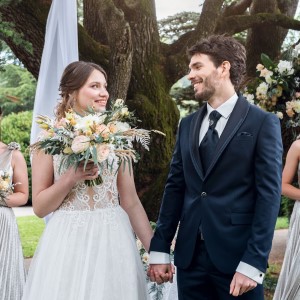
x=60 y=48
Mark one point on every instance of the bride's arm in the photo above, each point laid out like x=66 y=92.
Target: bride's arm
x=48 y=195
x=131 y=203
x=289 y=171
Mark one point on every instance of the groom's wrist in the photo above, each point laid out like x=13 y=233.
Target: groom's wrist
x=159 y=258
x=251 y=272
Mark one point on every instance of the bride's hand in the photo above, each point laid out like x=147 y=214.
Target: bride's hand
x=90 y=172
x=161 y=273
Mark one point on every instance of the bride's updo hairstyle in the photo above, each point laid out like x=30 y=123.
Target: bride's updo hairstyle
x=73 y=78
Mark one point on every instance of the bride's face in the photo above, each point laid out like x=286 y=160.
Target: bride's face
x=93 y=94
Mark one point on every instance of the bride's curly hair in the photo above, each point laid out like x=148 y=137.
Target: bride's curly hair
x=73 y=78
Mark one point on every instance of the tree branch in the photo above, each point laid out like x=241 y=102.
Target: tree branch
x=235 y=24
x=237 y=8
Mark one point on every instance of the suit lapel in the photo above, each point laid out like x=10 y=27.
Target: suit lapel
x=194 y=139
x=236 y=119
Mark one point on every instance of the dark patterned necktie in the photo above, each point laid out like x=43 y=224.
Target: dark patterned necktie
x=208 y=144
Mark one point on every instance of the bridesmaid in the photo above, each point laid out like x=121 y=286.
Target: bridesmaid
x=288 y=286
x=12 y=272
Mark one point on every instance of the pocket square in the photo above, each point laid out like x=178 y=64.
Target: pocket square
x=244 y=133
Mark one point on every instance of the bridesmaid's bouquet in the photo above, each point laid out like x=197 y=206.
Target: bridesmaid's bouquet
x=6 y=188
x=93 y=137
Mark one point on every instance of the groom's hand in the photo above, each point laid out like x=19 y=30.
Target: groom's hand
x=241 y=284
x=161 y=273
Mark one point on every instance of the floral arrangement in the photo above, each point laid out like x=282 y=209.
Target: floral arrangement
x=92 y=137
x=277 y=87
x=6 y=188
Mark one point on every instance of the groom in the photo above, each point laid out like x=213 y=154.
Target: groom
x=223 y=187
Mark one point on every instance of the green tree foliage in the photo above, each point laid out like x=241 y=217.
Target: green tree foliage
x=16 y=128
x=17 y=89
x=171 y=28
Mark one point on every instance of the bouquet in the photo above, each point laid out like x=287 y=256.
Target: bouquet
x=93 y=137
x=6 y=188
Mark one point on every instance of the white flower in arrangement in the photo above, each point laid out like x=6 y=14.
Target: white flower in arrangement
x=260 y=67
x=261 y=91
x=250 y=98
x=266 y=73
x=296 y=104
x=297 y=50
x=145 y=258
x=279 y=114
x=139 y=244
x=285 y=67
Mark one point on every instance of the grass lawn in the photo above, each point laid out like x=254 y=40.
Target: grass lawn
x=282 y=223
x=30 y=228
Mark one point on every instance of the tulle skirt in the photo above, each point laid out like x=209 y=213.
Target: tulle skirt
x=87 y=255
x=12 y=271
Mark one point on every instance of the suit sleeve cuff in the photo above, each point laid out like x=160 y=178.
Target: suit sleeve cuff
x=159 y=258
x=251 y=272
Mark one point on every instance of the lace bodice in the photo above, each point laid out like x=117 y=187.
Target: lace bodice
x=87 y=198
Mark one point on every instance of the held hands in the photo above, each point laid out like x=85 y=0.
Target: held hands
x=161 y=273
x=241 y=284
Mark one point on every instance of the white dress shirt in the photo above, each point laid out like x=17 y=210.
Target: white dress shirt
x=225 y=110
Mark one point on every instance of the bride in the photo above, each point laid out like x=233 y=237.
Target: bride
x=88 y=249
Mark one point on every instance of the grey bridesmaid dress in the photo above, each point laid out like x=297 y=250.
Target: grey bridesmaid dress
x=12 y=271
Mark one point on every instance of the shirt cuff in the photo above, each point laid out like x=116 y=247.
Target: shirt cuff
x=251 y=272
x=159 y=258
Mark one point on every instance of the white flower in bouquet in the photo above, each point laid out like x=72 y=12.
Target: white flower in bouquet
x=117 y=126
x=80 y=143
x=6 y=187
x=85 y=123
x=103 y=151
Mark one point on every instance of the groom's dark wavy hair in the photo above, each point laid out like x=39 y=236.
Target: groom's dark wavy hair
x=222 y=48
x=73 y=78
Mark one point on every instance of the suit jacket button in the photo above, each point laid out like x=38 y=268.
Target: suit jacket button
x=203 y=195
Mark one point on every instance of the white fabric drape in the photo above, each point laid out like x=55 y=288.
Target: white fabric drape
x=60 y=48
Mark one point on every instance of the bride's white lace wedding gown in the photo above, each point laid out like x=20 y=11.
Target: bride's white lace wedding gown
x=88 y=249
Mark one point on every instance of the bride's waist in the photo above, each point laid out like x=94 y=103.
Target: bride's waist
x=90 y=210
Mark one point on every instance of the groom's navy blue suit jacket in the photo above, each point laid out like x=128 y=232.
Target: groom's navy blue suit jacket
x=236 y=201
